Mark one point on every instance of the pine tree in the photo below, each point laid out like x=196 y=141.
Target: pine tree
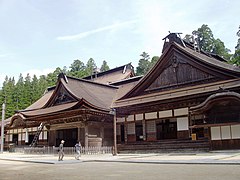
x=104 y=66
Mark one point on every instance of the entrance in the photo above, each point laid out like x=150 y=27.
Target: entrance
x=122 y=133
x=166 y=129
x=70 y=137
x=15 y=139
x=139 y=131
x=30 y=139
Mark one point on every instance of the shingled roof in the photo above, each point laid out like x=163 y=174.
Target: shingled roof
x=113 y=75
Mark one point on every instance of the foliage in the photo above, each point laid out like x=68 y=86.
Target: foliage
x=21 y=94
x=236 y=57
x=90 y=67
x=206 y=42
x=104 y=66
x=143 y=64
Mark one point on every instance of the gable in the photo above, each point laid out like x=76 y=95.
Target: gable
x=178 y=72
x=61 y=96
x=180 y=67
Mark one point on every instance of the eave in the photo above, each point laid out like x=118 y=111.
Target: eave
x=177 y=93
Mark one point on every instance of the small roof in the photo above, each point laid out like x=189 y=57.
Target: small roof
x=210 y=101
x=113 y=75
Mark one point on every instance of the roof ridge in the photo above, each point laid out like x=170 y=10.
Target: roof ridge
x=105 y=72
x=92 y=82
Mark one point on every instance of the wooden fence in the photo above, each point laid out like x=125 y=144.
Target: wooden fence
x=67 y=150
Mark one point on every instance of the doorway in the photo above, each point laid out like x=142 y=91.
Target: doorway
x=166 y=129
x=139 y=131
x=122 y=133
x=70 y=136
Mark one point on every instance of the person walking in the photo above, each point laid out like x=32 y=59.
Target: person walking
x=78 y=150
x=60 y=151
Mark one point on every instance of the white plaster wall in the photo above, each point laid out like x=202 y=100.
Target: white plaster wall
x=40 y=136
x=130 y=118
x=121 y=119
x=180 y=111
x=235 y=131
x=139 y=116
x=167 y=113
x=215 y=133
x=19 y=137
x=182 y=123
x=45 y=135
x=152 y=115
x=226 y=133
x=10 y=137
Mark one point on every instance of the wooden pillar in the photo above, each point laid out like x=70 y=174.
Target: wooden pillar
x=125 y=132
x=102 y=132
x=115 y=132
x=52 y=138
x=144 y=129
x=79 y=133
x=86 y=135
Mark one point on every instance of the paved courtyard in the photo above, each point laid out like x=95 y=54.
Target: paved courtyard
x=11 y=170
x=213 y=165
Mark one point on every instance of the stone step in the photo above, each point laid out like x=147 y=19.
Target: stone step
x=172 y=145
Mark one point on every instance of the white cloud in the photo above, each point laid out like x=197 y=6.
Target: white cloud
x=94 y=31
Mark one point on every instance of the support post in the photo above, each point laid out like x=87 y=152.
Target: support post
x=2 y=127
x=115 y=132
x=79 y=133
x=86 y=136
x=144 y=129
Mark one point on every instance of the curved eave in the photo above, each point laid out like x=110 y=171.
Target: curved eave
x=211 y=100
x=15 y=117
x=85 y=103
x=54 y=110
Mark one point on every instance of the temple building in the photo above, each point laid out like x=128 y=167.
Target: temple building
x=188 y=99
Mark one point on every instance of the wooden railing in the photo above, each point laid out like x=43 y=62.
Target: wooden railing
x=67 y=150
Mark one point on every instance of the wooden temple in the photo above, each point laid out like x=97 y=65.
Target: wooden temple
x=189 y=96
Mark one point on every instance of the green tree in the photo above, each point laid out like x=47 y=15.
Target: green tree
x=220 y=49
x=143 y=64
x=90 y=66
x=154 y=61
x=77 y=69
x=238 y=42
x=204 y=37
x=27 y=95
x=8 y=95
x=236 y=57
x=77 y=65
x=52 y=77
x=104 y=66
x=20 y=93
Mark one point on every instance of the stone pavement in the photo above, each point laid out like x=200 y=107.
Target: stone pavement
x=214 y=157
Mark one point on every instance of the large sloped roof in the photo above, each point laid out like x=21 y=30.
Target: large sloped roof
x=41 y=102
x=112 y=75
x=94 y=95
x=201 y=60
x=97 y=94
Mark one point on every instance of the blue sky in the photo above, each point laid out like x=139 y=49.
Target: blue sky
x=36 y=36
